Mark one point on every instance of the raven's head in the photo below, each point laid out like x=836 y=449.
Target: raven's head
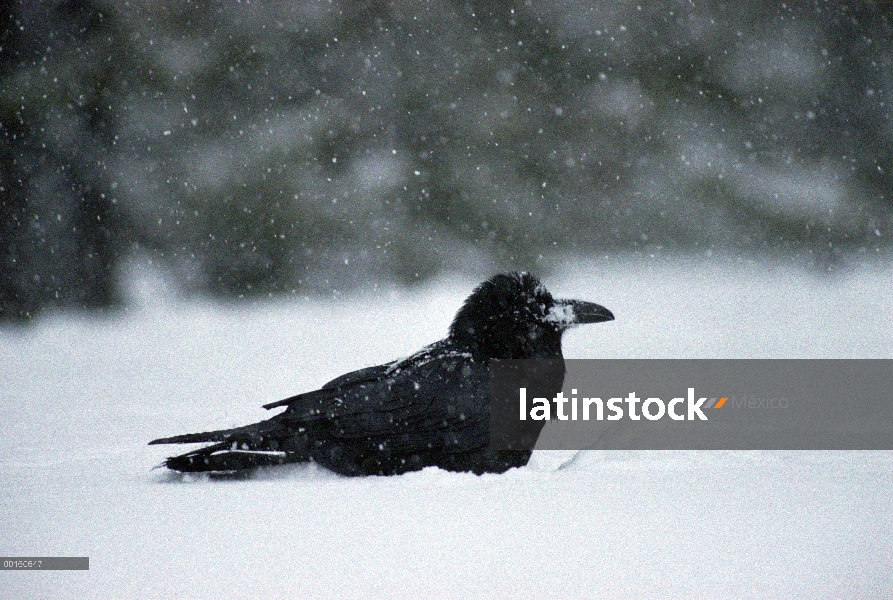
x=513 y=315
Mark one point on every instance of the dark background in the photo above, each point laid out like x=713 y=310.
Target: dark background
x=279 y=147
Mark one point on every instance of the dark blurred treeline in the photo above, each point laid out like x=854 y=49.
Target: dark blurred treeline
x=265 y=147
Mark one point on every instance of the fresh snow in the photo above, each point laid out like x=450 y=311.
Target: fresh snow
x=80 y=397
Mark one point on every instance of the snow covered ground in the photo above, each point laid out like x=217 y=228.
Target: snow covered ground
x=80 y=397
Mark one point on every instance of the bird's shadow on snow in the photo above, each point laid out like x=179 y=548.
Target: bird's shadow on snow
x=314 y=472
x=308 y=471
x=303 y=472
x=542 y=463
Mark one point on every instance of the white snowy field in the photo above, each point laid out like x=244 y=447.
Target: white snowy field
x=80 y=398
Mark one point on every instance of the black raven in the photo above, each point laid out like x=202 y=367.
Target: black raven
x=429 y=409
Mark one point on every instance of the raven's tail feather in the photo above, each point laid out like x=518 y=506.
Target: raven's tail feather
x=259 y=445
x=195 y=438
x=254 y=432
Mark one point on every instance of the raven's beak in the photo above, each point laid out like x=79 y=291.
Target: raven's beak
x=578 y=312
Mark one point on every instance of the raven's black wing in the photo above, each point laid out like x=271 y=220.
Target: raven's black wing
x=434 y=399
x=407 y=404
x=442 y=403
